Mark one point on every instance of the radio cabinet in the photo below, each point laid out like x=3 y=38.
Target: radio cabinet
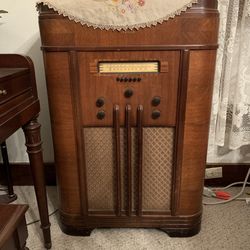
x=130 y=116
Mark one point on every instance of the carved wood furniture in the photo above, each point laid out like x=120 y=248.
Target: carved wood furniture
x=13 y=229
x=19 y=107
x=130 y=145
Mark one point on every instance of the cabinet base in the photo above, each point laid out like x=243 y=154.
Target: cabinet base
x=180 y=233
x=186 y=226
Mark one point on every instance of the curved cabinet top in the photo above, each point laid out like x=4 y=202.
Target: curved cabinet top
x=195 y=28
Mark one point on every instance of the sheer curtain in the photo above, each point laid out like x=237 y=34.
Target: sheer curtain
x=230 y=118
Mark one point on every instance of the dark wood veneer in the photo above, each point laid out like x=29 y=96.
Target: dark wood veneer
x=188 y=44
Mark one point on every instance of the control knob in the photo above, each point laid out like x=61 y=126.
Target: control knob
x=100 y=102
x=156 y=101
x=128 y=93
x=156 y=114
x=101 y=115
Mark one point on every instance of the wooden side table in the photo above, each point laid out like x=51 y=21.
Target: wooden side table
x=19 y=107
x=13 y=229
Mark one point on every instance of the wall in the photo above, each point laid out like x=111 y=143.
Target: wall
x=19 y=33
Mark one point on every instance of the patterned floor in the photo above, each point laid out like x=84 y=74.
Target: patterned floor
x=223 y=227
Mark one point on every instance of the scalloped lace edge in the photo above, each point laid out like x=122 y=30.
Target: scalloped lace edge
x=119 y=28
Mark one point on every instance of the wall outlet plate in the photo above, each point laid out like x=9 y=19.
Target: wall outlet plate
x=213 y=173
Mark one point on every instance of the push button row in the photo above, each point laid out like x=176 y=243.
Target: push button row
x=126 y=79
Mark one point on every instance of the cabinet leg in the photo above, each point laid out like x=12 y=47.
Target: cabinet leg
x=87 y=232
x=75 y=231
x=34 y=150
x=181 y=232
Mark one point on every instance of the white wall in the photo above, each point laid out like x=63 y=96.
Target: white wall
x=19 y=33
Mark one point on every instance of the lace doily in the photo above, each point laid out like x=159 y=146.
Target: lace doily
x=119 y=14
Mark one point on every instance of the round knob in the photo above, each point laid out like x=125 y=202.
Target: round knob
x=125 y=79
x=156 y=101
x=156 y=114
x=100 y=102
x=128 y=93
x=101 y=115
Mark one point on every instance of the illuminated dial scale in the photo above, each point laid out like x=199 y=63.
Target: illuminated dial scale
x=128 y=67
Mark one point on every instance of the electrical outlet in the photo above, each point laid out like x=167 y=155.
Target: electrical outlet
x=213 y=173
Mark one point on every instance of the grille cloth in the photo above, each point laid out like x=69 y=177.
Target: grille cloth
x=101 y=169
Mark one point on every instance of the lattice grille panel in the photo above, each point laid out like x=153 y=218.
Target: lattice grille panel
x=101 y=169
x=158 y=147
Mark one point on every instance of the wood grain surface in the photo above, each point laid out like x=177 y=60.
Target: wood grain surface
x=105 y=187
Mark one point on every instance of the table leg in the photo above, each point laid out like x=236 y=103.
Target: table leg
x=11 y=196
x=34 y=149
x=7 y=172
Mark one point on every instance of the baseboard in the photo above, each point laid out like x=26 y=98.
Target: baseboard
x=230 y=172
x=21 y=174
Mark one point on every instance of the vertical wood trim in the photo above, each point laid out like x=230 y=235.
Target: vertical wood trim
x=179 y=133
x=198 y=107
x=117 y=159
x=74 y=76
x=140 y=156
x=129 y=149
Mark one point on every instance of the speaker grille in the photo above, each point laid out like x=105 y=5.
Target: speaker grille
x=101 y=169
x=158 y=147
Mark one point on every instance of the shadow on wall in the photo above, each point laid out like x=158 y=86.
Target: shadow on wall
x=32 y=49
x=245 y=151
x=241 y=155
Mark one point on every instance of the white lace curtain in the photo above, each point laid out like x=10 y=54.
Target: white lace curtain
x=230 y=119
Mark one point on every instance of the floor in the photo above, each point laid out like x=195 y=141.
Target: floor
x=223 y=227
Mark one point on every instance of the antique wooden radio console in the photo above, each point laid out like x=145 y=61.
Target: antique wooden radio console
x=130 y=115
